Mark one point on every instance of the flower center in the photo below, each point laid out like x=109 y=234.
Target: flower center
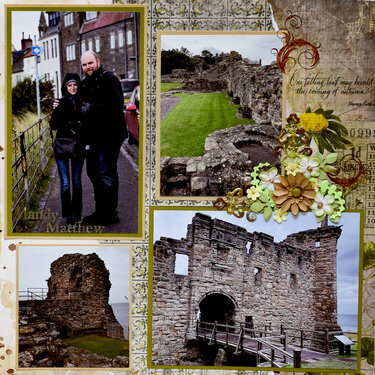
x=320 y=205
x=296 y=192
x=272 y=180
x=309 y=169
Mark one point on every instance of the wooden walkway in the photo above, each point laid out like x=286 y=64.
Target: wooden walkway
x=270 y=349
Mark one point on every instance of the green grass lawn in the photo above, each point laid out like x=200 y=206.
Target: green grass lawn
x=185 y=128
x=166 y=86
x=106 y=346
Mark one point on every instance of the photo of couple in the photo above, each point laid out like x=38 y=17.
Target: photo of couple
x=76 y=139
x=78 y=118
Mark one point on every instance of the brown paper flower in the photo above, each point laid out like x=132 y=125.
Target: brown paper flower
x=294 y=193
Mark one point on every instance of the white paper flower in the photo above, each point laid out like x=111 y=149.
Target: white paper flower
x=309 y=167
x=269 y=178
x=322 y=204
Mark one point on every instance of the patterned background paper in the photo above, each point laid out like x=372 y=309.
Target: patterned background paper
x=191 y=15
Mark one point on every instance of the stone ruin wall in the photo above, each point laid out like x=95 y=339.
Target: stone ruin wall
x=219 y=263
x=76 y=303
x=258 y=89
x=222 y=168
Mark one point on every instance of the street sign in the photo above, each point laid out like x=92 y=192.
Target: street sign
x=36 y=50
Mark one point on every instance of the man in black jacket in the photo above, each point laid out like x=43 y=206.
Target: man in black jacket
x=102 y=92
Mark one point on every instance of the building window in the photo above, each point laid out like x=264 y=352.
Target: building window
x=47 y=50
x=113 y=41
x=293 y=281
x=121 y=39
x=249 y=246
x=44 y=50
x=52 y=50
x=181 y=264
x=55 y=47
x=317 y=243
x=129 y=37
x=70 y=52
x=257 y=276
x=83 y=46
x=91 y=15
x=90 y=45
x=97 y=45
x=68 y=19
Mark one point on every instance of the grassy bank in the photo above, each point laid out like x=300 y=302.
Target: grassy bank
x=185 y=128
x=21 y=123
x=166 y=86
x=106 y=346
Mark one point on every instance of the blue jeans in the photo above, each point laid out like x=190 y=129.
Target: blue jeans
x=101 y=164
x=71 y=205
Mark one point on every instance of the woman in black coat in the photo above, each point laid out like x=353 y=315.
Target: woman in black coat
x=66 y=119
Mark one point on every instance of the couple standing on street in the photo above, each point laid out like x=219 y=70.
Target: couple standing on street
x=90 y=126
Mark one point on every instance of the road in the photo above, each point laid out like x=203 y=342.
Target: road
x=127 y=207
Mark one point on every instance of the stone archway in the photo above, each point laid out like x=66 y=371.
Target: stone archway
x=216 y=307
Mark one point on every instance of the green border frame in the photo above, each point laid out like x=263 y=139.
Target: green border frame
x=218 y=368
x=142 y=9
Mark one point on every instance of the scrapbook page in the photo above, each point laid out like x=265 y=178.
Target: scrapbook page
x=187 y=187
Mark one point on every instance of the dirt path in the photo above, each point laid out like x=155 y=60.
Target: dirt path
x=168 y=102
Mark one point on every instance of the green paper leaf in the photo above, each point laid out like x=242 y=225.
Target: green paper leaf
x=321 y=218
x=267 y=213
x=368 y=255
x=329 y=168
x=257 y=206
x=367 y=349
x=264 y=197
x=331 y=158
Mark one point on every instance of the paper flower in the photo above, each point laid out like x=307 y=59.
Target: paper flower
x=280 y=216
x=309 y=167
x=294 y=193
x=269 y=178
x=312 y=122
x=322 y=204
x=292 y=168
x=253 y=193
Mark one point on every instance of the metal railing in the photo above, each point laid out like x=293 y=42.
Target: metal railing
x=32 y=294
x=31 y=152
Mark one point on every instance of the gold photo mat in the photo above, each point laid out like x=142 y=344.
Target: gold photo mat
x=194 y=35
x=62 y=229
x=171 y=246
x=70 y=249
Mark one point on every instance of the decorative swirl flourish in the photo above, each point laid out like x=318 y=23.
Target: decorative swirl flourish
x=307 y=59
x=352 y=167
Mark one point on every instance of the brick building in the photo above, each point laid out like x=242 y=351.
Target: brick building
x=234 y=275
x=114 y=36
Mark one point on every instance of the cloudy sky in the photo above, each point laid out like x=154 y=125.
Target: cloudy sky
x=35 y=262
x=252 y=46
x=173 y=224
x=26 y=22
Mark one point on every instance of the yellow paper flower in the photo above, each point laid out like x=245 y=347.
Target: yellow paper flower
x=292 y=168
x=253 y=193
x=312 y=122
x=280 y=216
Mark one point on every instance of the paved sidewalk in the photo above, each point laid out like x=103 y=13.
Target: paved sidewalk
x=127 y=208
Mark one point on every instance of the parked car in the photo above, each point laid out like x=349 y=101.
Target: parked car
x=128 y=86
x=132 y=115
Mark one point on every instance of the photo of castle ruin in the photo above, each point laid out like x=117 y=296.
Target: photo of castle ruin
x=220 y=111
x=227 y=292
x=79 y=316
